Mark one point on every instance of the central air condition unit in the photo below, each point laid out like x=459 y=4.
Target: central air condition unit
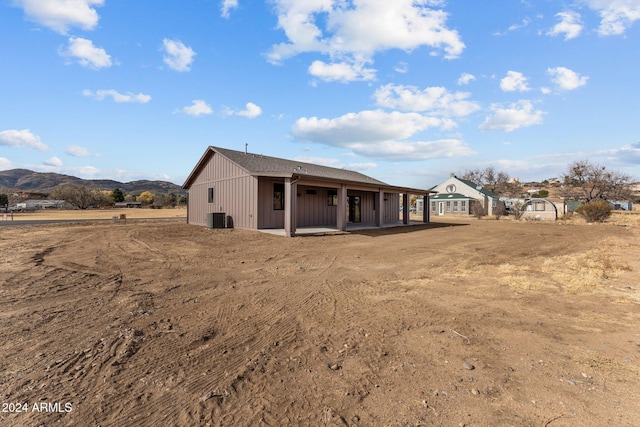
x=216 y=220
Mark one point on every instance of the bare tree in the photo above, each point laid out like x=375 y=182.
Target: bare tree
x=79 y=196
x=493 y=180
x=588 y=181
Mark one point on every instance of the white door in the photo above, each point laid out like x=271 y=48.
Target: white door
x=440 y=208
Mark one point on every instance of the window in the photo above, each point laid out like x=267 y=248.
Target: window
x=463 y=206
x=332 y=197
x=278 y=197
x=455 y=206
x=538 y=206
x=448 y=205
x=210 y=195
x=433 y=206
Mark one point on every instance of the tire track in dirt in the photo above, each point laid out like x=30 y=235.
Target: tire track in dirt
x=247 y=342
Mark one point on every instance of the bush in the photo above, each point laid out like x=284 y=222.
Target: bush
x=477 y=210
x=595 y=211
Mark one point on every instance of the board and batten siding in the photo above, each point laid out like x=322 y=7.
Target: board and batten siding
x=234 y=192
x=391 y=208
x=267 y=216
x=314 y=209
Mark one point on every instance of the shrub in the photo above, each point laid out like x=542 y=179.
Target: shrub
x=499 y=210
x=477 y=210
x=595 y=211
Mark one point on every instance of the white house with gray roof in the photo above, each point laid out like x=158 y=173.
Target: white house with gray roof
x=254 y=191
x=456 y=196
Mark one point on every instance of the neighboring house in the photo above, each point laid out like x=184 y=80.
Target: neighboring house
x=456 y=196
x=128 y=205
x=32 y=204
x=253 y=191
x=537 y=208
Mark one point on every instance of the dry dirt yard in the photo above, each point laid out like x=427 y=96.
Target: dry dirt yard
x=476 y=323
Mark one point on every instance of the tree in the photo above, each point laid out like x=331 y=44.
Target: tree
x=588 y=181
x=493 y=180
x=79 y=196
x=146 y=198
x=4 y=200
x=117 y=195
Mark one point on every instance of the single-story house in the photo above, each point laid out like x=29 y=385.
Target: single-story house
x=127 y=205
x=252 y=191
x=457 y=196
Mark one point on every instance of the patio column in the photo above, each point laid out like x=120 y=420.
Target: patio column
x=426 y=209
x=405 y=208
x=380 y=206
x=341 y=215
x=290 y=199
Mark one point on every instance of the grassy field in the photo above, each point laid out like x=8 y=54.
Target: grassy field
x=56 y=214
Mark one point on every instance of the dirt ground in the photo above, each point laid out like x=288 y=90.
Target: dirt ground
x=459 y=323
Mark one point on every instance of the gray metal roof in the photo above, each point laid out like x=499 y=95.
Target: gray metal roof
x=261 y=165
x=257 y=164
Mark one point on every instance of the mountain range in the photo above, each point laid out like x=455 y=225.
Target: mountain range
x=44 y=182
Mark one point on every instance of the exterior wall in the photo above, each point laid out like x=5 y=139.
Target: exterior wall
x=267 y=216
x=234 y=193
x=314 y=209
x=367 y=215
x=541 y=210
x=391 y=208
x=466 y=211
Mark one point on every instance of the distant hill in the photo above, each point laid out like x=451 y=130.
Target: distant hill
x=44 y=182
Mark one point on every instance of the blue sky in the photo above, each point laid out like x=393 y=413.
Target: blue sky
x=406 y=91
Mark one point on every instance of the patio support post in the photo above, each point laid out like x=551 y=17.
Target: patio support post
x=341 y=215
x=290 y=199
x=380 y=204
x=426 y=209
x=405 y=208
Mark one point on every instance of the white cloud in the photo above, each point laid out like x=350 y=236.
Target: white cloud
x=378 y=134
x=22 y=138
x=54 y=161
x=515 y=27
x=514 y=82
x=324 y=161
x=118 y=97
x=342 y=71
x=566 y=79
x=60 y=15
x=197 y=108
x=77 y=151
x=5 y=163
x=353 y=32
x=251 y=111
x=227 y=5
x=570 y=25
x=86 y=53
x=616 y=15
x=629 y=153
x=465 y=79
x=436 y=100
x=365 y=126
x=177 y=56
x=402 y=68
x=361 y=167
x=517 y=115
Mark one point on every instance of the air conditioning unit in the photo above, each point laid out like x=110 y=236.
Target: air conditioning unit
x=216 y=220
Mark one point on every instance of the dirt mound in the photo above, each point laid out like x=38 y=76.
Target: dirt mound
x=160 y=323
